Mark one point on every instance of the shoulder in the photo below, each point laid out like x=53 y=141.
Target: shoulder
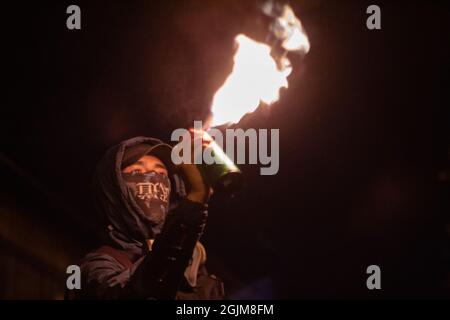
x=99 y=265
x=101 y=276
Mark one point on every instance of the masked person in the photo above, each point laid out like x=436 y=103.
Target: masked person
x=153 y=226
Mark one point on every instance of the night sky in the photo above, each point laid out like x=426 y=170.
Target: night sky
x=363 y=132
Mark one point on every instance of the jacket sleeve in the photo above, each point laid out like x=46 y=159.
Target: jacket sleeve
x=160 y=273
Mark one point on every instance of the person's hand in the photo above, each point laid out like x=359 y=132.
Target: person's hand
x=199 y=191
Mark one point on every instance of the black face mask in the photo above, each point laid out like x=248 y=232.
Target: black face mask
x=151 y=191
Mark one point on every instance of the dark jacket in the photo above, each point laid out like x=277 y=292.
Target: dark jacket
x=125 y=267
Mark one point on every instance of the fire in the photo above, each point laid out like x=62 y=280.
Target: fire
x=256 y=76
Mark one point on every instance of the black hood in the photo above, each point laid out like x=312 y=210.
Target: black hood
x=128 y=226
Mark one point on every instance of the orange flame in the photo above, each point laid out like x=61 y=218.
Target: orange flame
x=256 y=76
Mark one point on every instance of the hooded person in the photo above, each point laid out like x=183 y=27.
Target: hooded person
x=152 y=228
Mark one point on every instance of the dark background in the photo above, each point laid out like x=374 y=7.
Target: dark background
x=364 y=144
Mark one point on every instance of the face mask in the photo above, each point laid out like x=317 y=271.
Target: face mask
x=151 y=191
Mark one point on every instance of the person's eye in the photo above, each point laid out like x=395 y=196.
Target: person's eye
x=136 y=171
x=161 y=171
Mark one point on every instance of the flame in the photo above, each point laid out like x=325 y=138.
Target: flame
x=256 y=76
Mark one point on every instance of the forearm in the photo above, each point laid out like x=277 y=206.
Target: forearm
x=160 y=273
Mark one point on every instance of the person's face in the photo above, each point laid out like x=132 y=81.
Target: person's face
x=146 y=164
x=149 y=184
